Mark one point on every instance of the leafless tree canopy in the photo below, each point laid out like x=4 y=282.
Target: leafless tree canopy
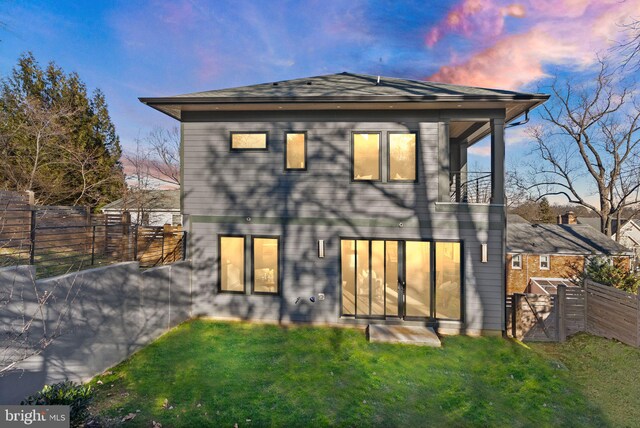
x=588 y=145
x=164 y=154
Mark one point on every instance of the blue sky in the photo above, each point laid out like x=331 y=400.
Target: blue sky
x=131 y=49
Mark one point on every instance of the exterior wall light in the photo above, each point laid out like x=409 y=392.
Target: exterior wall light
x=321 y=248
x=485 y=253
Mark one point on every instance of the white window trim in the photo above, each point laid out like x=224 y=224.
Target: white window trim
x=513 y=266
x=548 y=262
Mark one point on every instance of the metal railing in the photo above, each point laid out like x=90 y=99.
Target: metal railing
x=470 y=187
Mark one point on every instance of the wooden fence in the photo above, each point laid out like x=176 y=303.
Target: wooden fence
x=595 y=308
x=60 y=239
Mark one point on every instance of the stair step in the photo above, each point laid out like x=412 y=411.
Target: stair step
x=413 y=335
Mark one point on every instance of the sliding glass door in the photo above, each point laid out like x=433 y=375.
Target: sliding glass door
x=410 y=279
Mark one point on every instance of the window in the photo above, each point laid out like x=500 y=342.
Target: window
x=544 y=262
x=448 y=280
x=231 y=250
x=516 y=261
x=266 y=275
x=248 y=141
x=176 y=219
x=402 y=156
x=295 y=151
x=366 y=156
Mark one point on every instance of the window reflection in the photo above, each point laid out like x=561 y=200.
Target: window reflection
x=418 y=288
x=402 y=157
x=296 y=151
x=366 y=156
x=249 y=141
x=448 y=281
x=348 y=257
x=265 y=265
x=232 y=263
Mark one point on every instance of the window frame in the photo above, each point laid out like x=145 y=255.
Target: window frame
x=389 y=179
x=513 y=257
x=285 y=151
x=353 y=179
x=244 y=264
x=253 y=269
x=266 y=145
x=548 y=267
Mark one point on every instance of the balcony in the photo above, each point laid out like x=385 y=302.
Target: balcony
x=473 y=187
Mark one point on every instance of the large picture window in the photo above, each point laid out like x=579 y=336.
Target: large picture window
x=448 y=280
x=402 y=156
x=295 y=151
x=248 y=141
x=366 y=156
x=231 y=264
x=266 y=273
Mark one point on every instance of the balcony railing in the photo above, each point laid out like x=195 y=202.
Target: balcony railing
x=470 y=187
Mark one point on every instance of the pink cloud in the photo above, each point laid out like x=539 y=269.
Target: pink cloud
x=479 y=17
x=576 y=38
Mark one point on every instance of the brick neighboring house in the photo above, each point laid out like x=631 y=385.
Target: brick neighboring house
x=554 y=251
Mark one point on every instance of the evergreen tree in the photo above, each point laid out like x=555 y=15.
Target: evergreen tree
x=545 y=213
x=56 y=139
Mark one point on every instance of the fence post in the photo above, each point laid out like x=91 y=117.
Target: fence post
x=93 y=244
x=586 y=309
x=166 y=229
x=516 y=311
x=561 y=313
x=135 y=242
x=126 y=223
x=32 y=237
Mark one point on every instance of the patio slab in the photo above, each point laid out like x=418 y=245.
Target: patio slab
x=412 y=335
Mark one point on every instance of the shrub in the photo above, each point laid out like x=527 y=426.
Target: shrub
x=65 y=393
x=603 y=272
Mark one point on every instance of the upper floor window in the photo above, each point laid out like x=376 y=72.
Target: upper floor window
x=544 y=262
x=516 y=261
x=366 y=156
x=402 y=156
x=295 y=150
x=248 y=141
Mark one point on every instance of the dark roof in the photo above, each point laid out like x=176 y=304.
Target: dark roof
x=595 y=223
x=343 y=87
x=154 y=200
x=560 y=239
x=515 y=218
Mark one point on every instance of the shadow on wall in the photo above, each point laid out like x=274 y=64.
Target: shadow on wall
x=94 y=319
x=225 y=189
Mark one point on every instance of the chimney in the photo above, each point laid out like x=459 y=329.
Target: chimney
x=568 y=218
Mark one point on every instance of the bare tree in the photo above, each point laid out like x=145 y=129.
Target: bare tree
x=164 y=159
x=630 y=46
x=589 y=135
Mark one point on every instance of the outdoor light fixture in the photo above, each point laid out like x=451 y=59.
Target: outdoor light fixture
x=485 y=254
x=321 y=248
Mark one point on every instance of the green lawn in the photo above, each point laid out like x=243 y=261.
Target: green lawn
x=218 y=374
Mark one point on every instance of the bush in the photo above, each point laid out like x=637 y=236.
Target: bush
x=603 y=272
x=65 y=393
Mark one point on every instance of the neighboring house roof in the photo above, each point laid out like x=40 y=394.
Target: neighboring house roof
x=154 y=200
x=515 y=218
x=346 y=88
x=560 y=239
x=595 y=223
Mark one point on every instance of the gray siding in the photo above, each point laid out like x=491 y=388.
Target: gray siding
x=222 y=188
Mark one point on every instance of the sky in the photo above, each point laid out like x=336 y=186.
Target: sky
x=132 y=49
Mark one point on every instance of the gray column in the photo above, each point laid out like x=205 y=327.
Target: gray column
x=497 y=161
x=444 y=168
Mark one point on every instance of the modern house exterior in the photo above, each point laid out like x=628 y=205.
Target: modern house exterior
x=346 y=198
x=555 y=252
x=149 y=207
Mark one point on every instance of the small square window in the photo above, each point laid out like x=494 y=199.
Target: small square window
x=544 y=262
x=248 y=141
x=516 y=261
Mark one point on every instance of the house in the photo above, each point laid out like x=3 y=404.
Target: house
x=149 y=207
x=554 y=251
x=346 y=198
x=628 y=235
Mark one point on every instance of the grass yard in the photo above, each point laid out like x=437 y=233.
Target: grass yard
x=219 y=374
x=607 y=372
